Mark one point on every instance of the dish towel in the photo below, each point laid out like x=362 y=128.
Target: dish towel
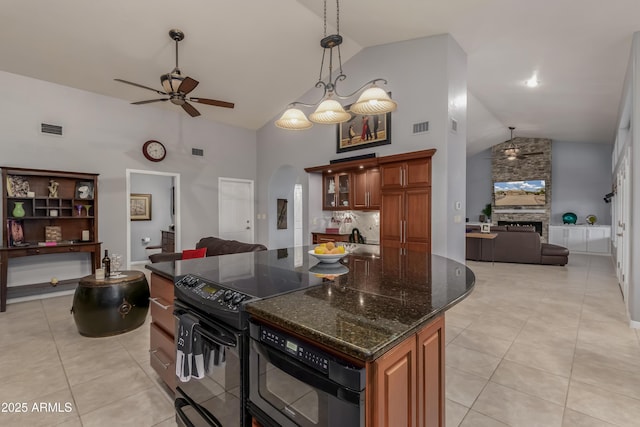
x=189 y=348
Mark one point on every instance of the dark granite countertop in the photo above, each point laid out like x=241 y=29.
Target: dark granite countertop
x=363 y=306
x=382 y=298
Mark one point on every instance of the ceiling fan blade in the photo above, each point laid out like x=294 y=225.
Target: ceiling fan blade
x=159 y=92
x=213 y=102
x=149 y=101
x=190 y=109
x=187 y=85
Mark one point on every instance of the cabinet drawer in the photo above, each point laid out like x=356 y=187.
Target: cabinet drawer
x=161 y=288
x=162 y=355
x=162 y=314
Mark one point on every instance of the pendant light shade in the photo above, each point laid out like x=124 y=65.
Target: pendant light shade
x=374 y=101
x=171 y=82
x=329 y=112
x=293 y=119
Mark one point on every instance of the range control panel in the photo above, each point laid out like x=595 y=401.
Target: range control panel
x=296 y=349
x=209 y=293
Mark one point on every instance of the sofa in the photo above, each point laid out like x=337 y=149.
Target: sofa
x=215 y=246
x=517 y=244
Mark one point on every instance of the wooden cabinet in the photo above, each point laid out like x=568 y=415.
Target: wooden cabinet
x=366 y=189
x=406 y=173
x=162 y=351
x=405 y=211
x=336 y=191
x=405 y=386
x=168 y=241
x=317 y=238
x=431 y=384
x=44 y=212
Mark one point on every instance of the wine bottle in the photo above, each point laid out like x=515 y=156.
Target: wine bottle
x=106 y=264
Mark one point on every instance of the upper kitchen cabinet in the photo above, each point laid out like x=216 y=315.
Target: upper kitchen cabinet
x=407 y=172
x=366 y=189
x=336 y=191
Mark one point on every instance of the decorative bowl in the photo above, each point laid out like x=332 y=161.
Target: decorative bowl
x=569 y=218
x=591 y=219
x=328 y=258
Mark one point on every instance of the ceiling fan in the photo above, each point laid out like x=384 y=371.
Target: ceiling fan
x=177 y=87
x=513 y=152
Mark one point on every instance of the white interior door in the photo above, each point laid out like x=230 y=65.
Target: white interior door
x=235 y=209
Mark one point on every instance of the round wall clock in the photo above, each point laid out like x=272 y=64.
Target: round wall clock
x=154 y=150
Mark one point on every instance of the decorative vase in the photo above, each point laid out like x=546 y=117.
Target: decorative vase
x=18 y=210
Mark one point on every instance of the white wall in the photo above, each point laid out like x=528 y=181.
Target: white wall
x=419 y=73
x=581 y=177
x=105 y=135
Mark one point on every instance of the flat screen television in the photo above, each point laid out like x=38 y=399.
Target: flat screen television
x=520 y=193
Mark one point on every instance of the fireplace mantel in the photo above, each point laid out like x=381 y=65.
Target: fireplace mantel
x=524 y=211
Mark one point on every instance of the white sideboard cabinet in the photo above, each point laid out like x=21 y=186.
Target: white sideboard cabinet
x=582 y=238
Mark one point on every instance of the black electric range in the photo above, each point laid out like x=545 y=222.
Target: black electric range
x=220 y=286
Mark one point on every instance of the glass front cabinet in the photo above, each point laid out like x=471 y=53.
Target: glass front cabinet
x=336 y=191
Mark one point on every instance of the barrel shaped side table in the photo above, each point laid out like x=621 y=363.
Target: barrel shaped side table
x=110 y=306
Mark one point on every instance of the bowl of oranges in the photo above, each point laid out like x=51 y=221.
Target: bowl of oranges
x=328 y=252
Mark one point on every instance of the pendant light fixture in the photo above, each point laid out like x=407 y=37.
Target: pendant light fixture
x=374 y=100
x=512 y=151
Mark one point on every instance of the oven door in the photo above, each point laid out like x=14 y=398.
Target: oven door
x=292 y=394
x=215 y=399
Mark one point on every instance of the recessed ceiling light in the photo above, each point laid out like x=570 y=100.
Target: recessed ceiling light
x=532 y=82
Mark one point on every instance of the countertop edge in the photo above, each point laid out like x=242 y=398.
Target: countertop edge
x=348 y=348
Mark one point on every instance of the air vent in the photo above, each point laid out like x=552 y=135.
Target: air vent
x=50 y=129
x=197 y=152
x=421 y=127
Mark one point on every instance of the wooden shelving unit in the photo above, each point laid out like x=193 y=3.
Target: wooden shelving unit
x=67 y=201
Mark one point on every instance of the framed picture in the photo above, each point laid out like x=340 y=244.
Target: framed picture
x=363 y=132
x=15 y=232
x=84 y=190
x=485 y=228
x=140 y=207
x=282 y=214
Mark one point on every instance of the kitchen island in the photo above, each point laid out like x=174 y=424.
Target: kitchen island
x=380 y=308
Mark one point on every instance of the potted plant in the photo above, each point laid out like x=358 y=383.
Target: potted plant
x=486 y=213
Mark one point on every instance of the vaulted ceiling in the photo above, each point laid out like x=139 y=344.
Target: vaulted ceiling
x=263 y=54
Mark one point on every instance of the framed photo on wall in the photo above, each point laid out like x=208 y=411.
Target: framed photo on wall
x=140 y=207
x=363 y=132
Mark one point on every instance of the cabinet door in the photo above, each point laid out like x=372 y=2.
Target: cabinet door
x=576 y=238
x=431 y=385
x=395 y=387
x=598 y=240
x=366 y=189
x=373 y=185
x=391 y=218
x=344 y=190
x=329 y=189
x=418 y=173
x=556 y=236
x=360 y=188
x=392 y=175
x=417 y=221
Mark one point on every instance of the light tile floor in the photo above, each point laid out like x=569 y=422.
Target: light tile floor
x=531 y=346
x=543 y=346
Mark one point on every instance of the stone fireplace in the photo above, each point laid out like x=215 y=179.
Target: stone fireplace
x=537 y=225
x=529 y=166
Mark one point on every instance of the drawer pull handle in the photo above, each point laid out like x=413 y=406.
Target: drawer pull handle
x=154 y=353
x=162 y=306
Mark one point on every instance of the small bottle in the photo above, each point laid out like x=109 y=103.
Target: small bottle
x=106 y=264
